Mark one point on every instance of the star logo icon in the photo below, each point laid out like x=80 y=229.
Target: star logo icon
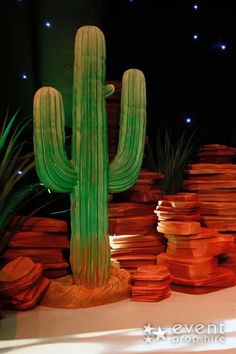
x=148 y=329
x=148 y=339
x=160 y=334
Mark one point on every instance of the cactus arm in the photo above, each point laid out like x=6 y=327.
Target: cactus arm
x=108 y=90
x=53 y=167
x=124 y=169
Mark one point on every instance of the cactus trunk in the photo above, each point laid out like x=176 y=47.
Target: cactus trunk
x=90 y=252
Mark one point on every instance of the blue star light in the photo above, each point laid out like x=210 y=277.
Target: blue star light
x=195 y=37
x=188 y=120
x=47 y=24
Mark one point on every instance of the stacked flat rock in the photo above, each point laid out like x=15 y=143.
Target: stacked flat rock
x=216 y=153
x=133 y=237
x=216 y=188
x=151 y=283
x=215 y=184
x=191 y=249
x=147 y=188
x=22 y=284
x=44 y=240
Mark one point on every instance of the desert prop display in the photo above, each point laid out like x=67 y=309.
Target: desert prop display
x=151 y=283
x=22 y=284
x=44 y=240
x=192 y=250
x=88 y=176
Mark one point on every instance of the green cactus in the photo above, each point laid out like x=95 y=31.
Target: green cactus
x=88 y=177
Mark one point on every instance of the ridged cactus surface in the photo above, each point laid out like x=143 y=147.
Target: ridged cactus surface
x=88 y=177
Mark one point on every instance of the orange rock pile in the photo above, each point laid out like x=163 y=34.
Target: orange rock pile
x=22 y=284
x=215 y=182
x=45 y=241
x=191 y=249
x=132 y=224
x=151 y=283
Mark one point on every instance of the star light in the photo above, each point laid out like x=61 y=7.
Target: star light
x=24 y=76
x=195 y=7
x=195 y=36
x=19 y=172
x=188 y=120
x=47 y=24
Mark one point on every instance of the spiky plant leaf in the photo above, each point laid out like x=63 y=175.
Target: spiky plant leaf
x=172 y=159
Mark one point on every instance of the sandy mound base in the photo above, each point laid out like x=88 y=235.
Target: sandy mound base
x=62 y=293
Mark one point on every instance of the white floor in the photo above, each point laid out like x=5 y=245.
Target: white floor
x=119 y=327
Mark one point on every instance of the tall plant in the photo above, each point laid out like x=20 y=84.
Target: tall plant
x=14 y=166
x=88 y=177
x=172 y=159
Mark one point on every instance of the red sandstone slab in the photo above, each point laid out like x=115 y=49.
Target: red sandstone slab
x=206 y=185
x=150 y=298
x=186 y=205
x=16 y=269
x=12 y=288
x=121 y=246
x=215 y=176
x=118 y=210
x=32 y=239
x=134 y=238
x=150 y=176
x=188 y=268
x=179 y=227
x=139 y=251
x=221 y=223
x=145 y=196
x=221 y=277
x=133 y=225
x=32 y=298
x=219 y=208
x=178 y=217
x=43 y=224
x=160 y=272
x=181 y=197
x=38 y=255
x=175 y=211
x=209 y=168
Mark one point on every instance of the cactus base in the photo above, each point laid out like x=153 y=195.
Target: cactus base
x=64 y=294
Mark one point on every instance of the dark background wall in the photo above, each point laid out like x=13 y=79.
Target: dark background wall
x=184 y=77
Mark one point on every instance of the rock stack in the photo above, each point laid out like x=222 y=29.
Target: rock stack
x=45 y=241
x=22 y=284
x=214 y=179
x=151 y=283
x=216 y=153
x=132 y=224
x=192 y=249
